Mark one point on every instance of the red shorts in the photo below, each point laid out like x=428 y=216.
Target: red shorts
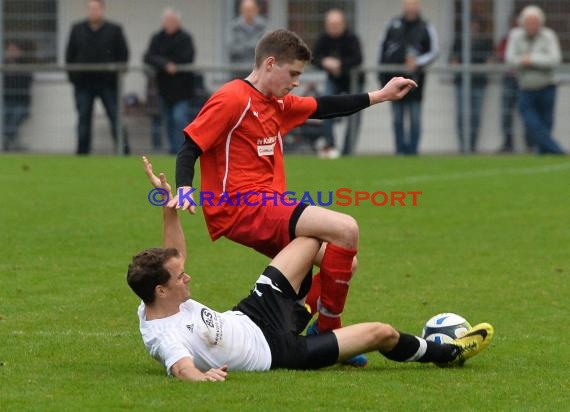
x=266 y=228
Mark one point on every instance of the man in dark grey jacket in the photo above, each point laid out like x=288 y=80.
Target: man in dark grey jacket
x=95 y=40
x=170 y=47
x=337 y=51
x=244 y=33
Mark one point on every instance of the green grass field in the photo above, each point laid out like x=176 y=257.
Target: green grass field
x=489 y=239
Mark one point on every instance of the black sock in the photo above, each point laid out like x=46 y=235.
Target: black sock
x=439 y=352
x=407 y=348
x=414 y=349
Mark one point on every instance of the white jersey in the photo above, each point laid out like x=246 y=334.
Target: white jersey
x=211 y=339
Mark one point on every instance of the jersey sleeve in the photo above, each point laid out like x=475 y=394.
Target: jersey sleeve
x=168 y=353
x=218 y=117
x=297 y=109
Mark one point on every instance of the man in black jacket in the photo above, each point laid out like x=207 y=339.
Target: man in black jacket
x=168 y=48
x=411 y=41
x=95 y=40
x=337 y=51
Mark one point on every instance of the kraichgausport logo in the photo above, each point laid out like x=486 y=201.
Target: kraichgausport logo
x=340 y=197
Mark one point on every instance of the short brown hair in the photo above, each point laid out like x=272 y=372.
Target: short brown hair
x=284 y=45
x=146 y=271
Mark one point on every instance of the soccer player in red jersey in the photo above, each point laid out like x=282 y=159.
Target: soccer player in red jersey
x=238 y=136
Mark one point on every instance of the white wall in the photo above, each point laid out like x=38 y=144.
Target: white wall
x=52 y=125
x=439 y=132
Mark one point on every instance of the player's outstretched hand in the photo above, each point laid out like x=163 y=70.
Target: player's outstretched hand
x=395 y=89
x=159 y=181
x=185 y=204
x=217 y=374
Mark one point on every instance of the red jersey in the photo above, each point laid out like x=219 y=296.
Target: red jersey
x=240 y=132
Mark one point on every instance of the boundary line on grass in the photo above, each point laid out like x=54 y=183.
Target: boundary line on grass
x=80 y=333
x=480 y=173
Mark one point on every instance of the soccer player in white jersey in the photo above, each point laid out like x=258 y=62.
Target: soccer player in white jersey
x=194 y=342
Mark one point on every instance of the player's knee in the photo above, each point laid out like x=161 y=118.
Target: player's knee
x=349 y=231
x=391 y=336
x=386 y=337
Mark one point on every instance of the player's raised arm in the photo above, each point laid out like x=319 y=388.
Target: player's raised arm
x=173 y=236
x=395 y=89
x=329 y=107
x=185 y=165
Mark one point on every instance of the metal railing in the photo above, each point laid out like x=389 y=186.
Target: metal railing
x=563 y=72
x=119 y=68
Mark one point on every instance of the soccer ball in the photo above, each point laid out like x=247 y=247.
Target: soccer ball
x=445 y=327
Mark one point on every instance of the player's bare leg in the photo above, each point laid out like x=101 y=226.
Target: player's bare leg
x=394 y=345
x=365 y=337
x=295 y=260
x=329 y=226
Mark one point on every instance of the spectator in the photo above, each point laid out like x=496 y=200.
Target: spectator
x=168 y=48
x=153 y=110
x=411 y=41
x=17 y=97
x=95 y=40
x=481 y=52
x=310 y=133
x=337 y=51
x=245 y=31
x=509 y=97
x=535 y=51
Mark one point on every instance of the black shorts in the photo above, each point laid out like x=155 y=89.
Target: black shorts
x=273 y=306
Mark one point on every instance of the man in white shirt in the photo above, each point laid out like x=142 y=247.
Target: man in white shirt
x=535 y=51
x=262 y=332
